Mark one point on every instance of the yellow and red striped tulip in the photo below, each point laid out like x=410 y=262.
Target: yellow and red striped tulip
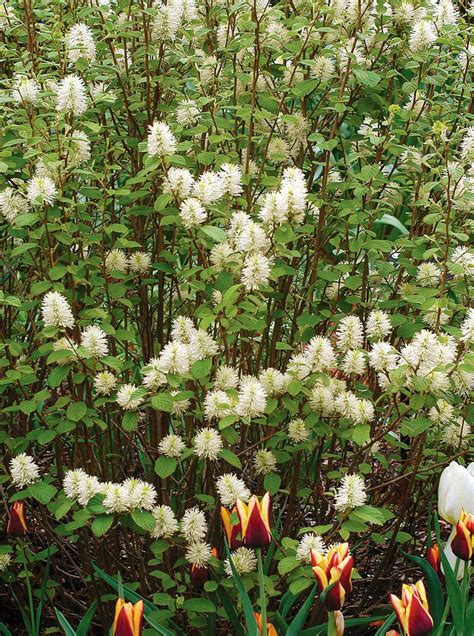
x=232 y=531
x=412 y=610
x=462 y=543
x=16 y=526
x=333 y=568
x=255 y=521
x=271 y=631
x=128 y=618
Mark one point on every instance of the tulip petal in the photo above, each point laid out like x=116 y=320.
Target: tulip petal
x=138 y=610
x=419 y=621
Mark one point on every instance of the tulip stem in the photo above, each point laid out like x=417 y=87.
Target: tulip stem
x=263 y=603
x=331 y=624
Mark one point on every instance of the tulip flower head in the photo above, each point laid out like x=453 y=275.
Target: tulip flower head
x=462 y=543
x=255 y=521
x=456 y=491
x=434 y=559
x=128 y=618
x=333 y=570
x=412 y=610
x=271 y=631
x=232 y=531
x=16 y=526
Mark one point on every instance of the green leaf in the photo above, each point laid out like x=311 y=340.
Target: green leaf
x=86 y=620
x=388 y=219
x=272 y=483
x=199 y=605
x=42 y=492
x=216 y=233
x=165 y=466
x=370 y=514
x=230 y=458
x=102 y=524
x=76 y=411
x=162 y=402
x=287 y=564
x=298 y=622
x=361 y=433
x=144 y=519
x=66 y=626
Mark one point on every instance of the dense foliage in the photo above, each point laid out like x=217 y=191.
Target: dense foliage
x=235 y=242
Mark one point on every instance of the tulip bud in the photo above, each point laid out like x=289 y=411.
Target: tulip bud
x=271 y=631
x=434 y=559
x=232 y=531
x=412 y=610
x=200 y=573
x=128 y=618
x=255 y=521
x=462 y=543
x=16 y=526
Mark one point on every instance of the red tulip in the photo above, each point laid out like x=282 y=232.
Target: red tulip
x=128 y=618
x=434 y=559
x=462 y=543
x=255 y=521
x=232 y=531
x=412 y=610
x=200 y=573
x=16 y=526
x=334 y=569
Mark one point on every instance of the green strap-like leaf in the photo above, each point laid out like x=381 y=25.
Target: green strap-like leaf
x=251 y=623
x=86 y=620
x=65 y=624
x=298 y=622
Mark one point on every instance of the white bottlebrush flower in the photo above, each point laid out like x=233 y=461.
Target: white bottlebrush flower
x=378 y=325
x=182 y=329
x=207 y=444
x=178 y=182
x=12 y=204
x=264 y=462
x=175 y=358
x=140 y=494
x=71 y=95
x=464 y=258
x=231 y=488
x=354 y=362
x=153 y=376
x=256 y=271
x=126 y=398
x=104 y=382
x=457 y=433
x=80 y=43
x=72 y=482
x=179 y=406
x=171 y=446
x=167 y=21
x=198 y=554
x=41 y=191
x=193 y=525
x=187 y=113
x=273 y=381
x=166 y=523
x=244 y=561
x=208 y=188
x=231 y=179
x=56 y=311
x=24 y=470
x=25 y=90
x=139 y=262
x=350 y=333
x=319 y=354
x=346 y=404
x=351 y=493
x=298 y=366
x=446 y=13
x=222 y=256
x=363 y=411
x=251 y=239
x=5 y=560
x=308 y=542
x=322 y=400
x=88 y=487
x=442 y=412
x=467 y=144
x=252 y=397
x=161 y=141
x=115 y=500
x=79 y=148
x=226 y=378
x=422 y=35
x=116 y=261
x=382 y=356
x=192 y=213
x=428 y=274
x=95 y=341
x=323 y=68
x=467 y=327
x=297 y=431
x=217 y=404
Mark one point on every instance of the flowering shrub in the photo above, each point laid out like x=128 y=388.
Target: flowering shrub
x=235 y=261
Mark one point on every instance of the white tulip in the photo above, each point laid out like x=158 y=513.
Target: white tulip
x=456 y=491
